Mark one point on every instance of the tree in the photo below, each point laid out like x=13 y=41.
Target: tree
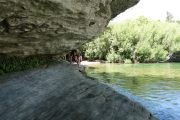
x=140 y=40
x=169 y=17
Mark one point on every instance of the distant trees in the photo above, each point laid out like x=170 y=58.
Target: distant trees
x=169 y=17
x=139 y=40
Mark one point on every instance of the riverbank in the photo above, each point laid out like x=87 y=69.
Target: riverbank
x=96 y=62
x=84 y=63
x=61 y=92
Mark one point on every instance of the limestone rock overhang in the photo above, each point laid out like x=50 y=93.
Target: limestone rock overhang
x=35 y=27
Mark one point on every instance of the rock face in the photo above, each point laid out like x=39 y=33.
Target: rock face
x=31 y=27
x=60 y=92
x=175 y=57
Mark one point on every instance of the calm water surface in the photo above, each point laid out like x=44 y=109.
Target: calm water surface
x=156 y=86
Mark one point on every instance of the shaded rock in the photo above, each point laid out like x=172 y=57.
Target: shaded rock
x=31 y=27
x=61 y=92
x=175 y=57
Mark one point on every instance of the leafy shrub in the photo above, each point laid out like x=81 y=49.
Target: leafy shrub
x=11 y=63
x=2 y=72
x=139 y=40
x=112 y=57
x=143 y=52
x=159 y=54
x=127 y=61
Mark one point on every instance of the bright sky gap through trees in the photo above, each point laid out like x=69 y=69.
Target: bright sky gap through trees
x=151 y=9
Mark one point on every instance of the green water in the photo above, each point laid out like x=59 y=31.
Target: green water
x=158 y=84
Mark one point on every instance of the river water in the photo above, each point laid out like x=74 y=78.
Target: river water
x=155 y=86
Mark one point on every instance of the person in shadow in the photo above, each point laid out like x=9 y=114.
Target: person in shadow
x=75 y=56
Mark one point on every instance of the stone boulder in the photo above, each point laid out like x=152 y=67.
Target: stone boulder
x=35 y=27
x=175 y=57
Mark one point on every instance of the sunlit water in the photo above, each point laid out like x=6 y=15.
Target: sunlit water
x=156 y=86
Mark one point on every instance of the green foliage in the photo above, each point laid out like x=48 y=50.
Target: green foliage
x=159 y=54
x=1 y=72
x=11 y=64
x=139 y=40
x=98 y=48
x=113 y=57
x=169 y=17
x=127 y=61
x=143 y=52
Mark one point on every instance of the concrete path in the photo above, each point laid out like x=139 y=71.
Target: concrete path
x=61 y=92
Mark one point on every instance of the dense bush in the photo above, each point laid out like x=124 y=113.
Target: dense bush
x=113 y=57
x=143 y=52
x=98 y=48
x=139 y=40
x=12 y=63
x=127 y=61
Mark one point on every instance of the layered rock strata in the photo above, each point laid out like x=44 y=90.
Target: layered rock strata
x=34 y=27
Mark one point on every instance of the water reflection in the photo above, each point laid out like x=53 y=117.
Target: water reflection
x=157 y=83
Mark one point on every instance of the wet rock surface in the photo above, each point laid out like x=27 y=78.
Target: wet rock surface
x=33 y=27
x=61 y=92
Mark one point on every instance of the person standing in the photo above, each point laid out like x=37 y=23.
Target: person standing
x=75 y=55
